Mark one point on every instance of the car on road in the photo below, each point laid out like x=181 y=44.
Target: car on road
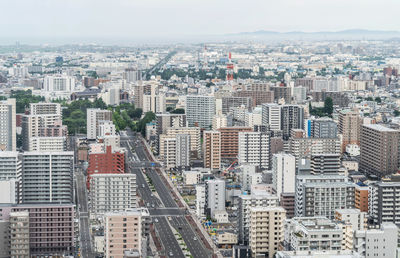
x=156 y=220
x=195 y=238
x=171 y=254
x=169 y=218
x=143 y=185
x=152 y=205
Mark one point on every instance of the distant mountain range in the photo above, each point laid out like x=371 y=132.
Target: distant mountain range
x=343 y=34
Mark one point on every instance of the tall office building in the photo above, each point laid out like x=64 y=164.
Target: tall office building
x=47 y=177
x=200 y=111
x=165 y=121
x=349 y=127
x=94 y=116
x=215 y=196
x=230 y=141
x=112 y=193
x=379 y=150
x=212 y=149
x=8 y=133
x=266 y=230
x=292 y=117
x=255 y=149
x=229 y=102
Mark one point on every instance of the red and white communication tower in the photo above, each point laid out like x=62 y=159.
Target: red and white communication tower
x=229 y=69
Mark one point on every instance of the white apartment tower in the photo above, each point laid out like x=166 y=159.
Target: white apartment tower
x=8 y=133
x=283 y=173
x=215 y=196
x=200 y=111
x=112 y=193
x=94 y=116
x=47 y=177
x=254 y=149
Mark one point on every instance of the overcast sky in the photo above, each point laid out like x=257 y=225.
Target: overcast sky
x=158 y=18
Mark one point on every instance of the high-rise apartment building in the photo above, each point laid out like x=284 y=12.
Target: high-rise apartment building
x=44 y=108
x=8 y=133
x=59 y=83
x=321 y=195
x=124 y=231
x=266 y=230
x=212 y=149
x=322 y=128
x=182 y=150
x=195 y=139
x=215 y=196
x=315 y=233
x=246 y=202
x=349 y=127
x=200 y=110
x=292 y=117
x=106 y=161
x=271 y=116
x=283 y=173
x=94 y=116
x=255 y=149
x=361 y=198
x=230 y=141
x=167 y=150
x=379 y=150
x=47 y=177
x=11 y=165
x=383 y=202
x=112 y=193
x=19 y=234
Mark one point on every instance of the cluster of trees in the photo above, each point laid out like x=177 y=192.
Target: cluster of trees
x=23 y=98
x=141 y=125
x=125 y=115
x=327 y=110
x=175 y=111
x=74 y=114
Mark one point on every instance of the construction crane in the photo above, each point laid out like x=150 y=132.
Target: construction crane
x=230 y=166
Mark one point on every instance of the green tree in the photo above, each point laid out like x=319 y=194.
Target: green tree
x=378 y=99
x=328 y=106
x=396 y=113
x=178 y=111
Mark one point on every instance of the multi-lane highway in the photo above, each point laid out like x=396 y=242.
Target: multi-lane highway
x=162 y=206
x=83 y=214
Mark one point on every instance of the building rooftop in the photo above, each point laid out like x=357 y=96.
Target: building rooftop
x=381 y=128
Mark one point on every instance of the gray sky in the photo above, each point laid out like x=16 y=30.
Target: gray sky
x=158 y=18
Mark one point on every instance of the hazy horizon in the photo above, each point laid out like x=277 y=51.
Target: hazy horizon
x=179 y=19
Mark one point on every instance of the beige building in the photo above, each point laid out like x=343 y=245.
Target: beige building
x=167 y=150
x=379 y=150
x=266 y=230
x=212 y=149
x=349 y=127
x=194 y=132
x=19 y=234
x=122 y=231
